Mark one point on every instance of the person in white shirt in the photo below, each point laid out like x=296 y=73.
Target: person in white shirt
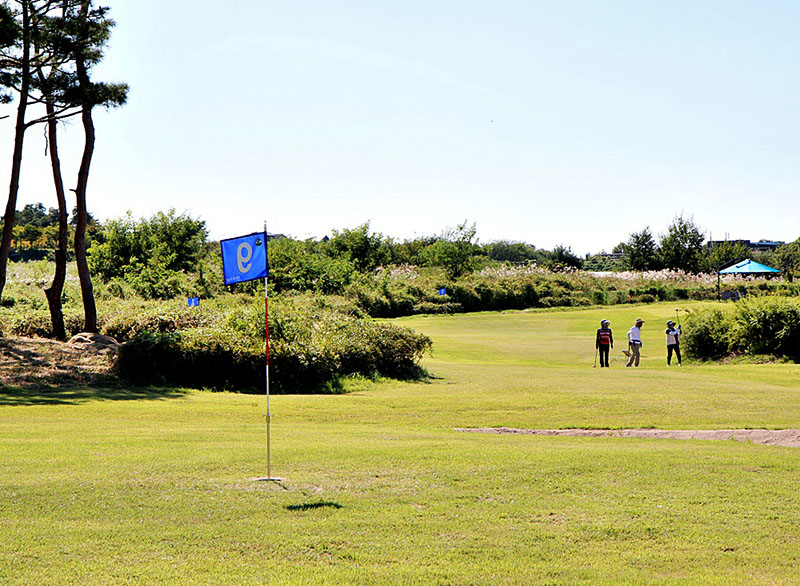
x=673 y=342
x=635 y=342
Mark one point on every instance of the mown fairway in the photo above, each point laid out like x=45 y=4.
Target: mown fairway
x=129 y=487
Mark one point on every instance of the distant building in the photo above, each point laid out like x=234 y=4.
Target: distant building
x=760 y=246
x=765 y=245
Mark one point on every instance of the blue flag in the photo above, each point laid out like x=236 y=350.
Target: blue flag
x=193 y=301
x=442 y=291
x=244 y=258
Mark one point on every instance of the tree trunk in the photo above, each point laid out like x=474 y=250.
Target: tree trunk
x=87 y=291
x=53 y=294
x=19 y=135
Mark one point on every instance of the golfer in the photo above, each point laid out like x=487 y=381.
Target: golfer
x=635 y=342
x=604 y=342
x=673 y=342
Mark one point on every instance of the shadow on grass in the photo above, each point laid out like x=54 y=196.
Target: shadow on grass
x=342 y=384
x=312 y=506
x=110 y=388
x=51 y=395
x=416 y=374
x=423 y=376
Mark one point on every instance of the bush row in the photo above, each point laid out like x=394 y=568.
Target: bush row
x=313 y=344
x=381 y=297
x=121 y=320
x=758 y=325
x=410 y=290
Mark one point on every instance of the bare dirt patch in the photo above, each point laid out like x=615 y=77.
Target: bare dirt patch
x=770 y=437
x=96 y=343
x=42 y=362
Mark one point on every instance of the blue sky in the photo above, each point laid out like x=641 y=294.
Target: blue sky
x=553 y=122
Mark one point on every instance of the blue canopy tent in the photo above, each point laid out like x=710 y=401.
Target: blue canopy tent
x=745 y=267
x=748 y=267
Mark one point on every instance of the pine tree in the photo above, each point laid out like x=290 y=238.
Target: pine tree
x=47 y=58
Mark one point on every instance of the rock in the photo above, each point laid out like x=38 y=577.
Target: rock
x=95 y=342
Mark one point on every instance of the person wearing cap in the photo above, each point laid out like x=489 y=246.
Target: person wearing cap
x=673 y=342
x=604 y=342
x=635 y=342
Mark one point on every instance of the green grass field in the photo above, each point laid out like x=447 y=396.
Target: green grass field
x=133 y=487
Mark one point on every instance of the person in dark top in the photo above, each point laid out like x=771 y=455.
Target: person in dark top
x=604 y=342
x=673 y=342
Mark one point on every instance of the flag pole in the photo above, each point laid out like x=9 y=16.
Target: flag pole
x=269 y=476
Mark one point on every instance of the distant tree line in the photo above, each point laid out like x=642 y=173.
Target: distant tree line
x=684 y=248
x=169 y=254
x=330 y=264
x=36 y=232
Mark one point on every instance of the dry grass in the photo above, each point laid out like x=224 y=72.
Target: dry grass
x=38 y=362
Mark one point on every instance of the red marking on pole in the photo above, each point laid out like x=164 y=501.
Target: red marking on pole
x=266 y=328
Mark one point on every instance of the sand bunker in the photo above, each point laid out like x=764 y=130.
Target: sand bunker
x=770 y=437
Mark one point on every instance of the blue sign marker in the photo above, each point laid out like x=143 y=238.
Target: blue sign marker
x=442 y=291
x=193 y=301
x=244 y=258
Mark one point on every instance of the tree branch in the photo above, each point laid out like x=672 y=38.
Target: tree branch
x=59 y=116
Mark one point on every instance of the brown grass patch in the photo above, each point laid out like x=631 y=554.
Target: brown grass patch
x=770 y=437
x=38 y=362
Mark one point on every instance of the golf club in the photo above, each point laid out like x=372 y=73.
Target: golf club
x=595 y=357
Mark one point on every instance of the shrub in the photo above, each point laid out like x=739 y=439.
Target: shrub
x=129 y=319
x=555 y=301
x=760 y=325
x=37 y=323
x=428 y=307
x=767 y=325
x=365 y=251
x=455 y=252
x=201 y=359
x=171 y=241
x=301 y=266
x=117 y=288
x=153 y=255
x=580 y=301
x=706 y=333
x=154 y=280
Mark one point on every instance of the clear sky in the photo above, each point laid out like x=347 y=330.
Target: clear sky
x=569 y=122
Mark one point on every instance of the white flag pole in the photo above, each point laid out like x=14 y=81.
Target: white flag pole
x=269 y=476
